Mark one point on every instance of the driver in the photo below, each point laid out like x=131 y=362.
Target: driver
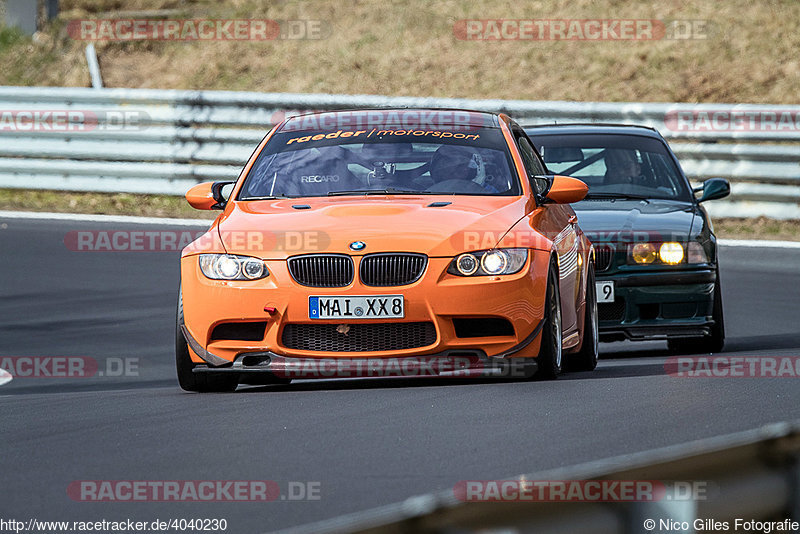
x=452 y=163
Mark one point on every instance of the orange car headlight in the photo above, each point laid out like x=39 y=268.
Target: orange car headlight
x=489 y=262
x=232 y=267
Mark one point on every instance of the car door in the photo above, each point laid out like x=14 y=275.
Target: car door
x=558 y=222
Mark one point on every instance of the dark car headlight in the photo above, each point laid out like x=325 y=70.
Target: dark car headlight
x=489 y=262
x=232 y=267
x=666 y=253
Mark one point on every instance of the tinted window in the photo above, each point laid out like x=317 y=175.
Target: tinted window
x=317 y=163
x=625 y=164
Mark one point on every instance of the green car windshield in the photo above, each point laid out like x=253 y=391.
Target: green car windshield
x=614 y=165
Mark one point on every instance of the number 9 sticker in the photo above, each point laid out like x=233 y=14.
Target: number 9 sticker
x=605 y=291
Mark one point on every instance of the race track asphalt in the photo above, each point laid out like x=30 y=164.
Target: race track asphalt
x=367 y=443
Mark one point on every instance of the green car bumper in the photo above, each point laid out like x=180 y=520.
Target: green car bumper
x=658 y=305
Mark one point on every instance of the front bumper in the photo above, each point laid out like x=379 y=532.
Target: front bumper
x=658 y=305
x=449 y=364
x=437 y=297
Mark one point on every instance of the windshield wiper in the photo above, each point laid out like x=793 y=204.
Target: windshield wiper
x=623 y=196
x=385 y=191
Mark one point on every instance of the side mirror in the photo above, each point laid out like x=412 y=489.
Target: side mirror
x=715 y=188
x=209 y=195
x=566 y=190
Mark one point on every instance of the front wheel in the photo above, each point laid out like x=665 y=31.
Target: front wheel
x=550 y=352
x=586 y=358
x=188 y=380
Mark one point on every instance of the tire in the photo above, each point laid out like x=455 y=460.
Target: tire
x=188 y=380
x=715 y=341
x=550 y=352
x=586 y=358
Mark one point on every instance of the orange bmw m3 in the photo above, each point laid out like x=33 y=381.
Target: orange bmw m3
x=408 y=242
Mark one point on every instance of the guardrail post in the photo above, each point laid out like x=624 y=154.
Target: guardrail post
x=94 y=66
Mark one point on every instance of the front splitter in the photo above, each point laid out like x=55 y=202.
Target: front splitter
x=451 y=364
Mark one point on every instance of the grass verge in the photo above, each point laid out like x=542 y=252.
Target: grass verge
x=100 y=203
x=743 y=51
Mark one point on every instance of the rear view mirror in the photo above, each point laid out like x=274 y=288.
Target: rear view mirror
x=715 y=188
x=210 y=195
x=566 y=190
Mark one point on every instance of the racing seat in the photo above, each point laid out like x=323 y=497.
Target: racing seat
x=319 y=171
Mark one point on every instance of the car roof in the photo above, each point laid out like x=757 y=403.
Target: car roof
x=592 y=128
x=401 y=115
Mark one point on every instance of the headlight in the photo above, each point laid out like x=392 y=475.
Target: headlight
x=667 y=253
x=489 y=262
x=230 y=267
x=671 y=253
x=494 y=262
x=467 y=264
x=642 y=253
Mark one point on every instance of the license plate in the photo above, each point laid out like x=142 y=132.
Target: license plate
x=605 y=291
x=374 y=307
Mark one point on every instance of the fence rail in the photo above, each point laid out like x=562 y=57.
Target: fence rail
x=163 y=141
x=752 y=475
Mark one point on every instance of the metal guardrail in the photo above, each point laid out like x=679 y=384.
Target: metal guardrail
x=752 y=475
x=169 y=140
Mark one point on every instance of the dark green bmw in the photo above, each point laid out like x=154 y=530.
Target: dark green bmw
x=656 y=255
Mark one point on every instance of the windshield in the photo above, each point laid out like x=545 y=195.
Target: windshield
x=615 y=165
x=390 y=160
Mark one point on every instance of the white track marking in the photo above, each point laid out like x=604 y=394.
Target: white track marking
x=83 y=217
x=5 y=377
x=753 y=243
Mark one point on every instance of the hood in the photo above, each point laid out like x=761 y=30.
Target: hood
x=636 y=220
x=277 y=229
